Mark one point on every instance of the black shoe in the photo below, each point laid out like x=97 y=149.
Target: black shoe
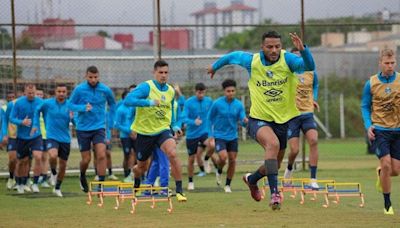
x=84 y=184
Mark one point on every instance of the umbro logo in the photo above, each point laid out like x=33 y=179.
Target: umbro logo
x=273 y=92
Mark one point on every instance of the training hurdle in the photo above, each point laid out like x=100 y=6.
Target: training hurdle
x=338 y=190
x=307 y=189
x=153 y=195
x=293 y=185
x=102 y=189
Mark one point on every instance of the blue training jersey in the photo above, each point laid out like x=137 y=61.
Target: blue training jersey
x=124 y=119
x=193 y=109
x=223 y=118
x=57 y=118
x=24 y=108
x=98 y=96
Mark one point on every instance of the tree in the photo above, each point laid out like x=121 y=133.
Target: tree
x=25 y=42
x=103 y=33
x=5 y=39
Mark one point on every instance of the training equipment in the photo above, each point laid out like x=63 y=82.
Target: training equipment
x=338 y=190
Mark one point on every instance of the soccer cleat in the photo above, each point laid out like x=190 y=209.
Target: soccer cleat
x=35 y=188
x=112 y=177
x=388 y=212
x=181 y=197
x=378 y=183
x=96 y=178
x=207 y=167
x=201 y=174
x=227 y=189
x=313 y=184
x=53 y=179
x=218 y=178
x=255 y=192
x=10 y=183
x=190 y=186
x=83 y=184
x=287 y=175
x=128 y=179
x=57 y=192
x=44 y=184
x=20 y=189
x=27 y=188
x=275 y=201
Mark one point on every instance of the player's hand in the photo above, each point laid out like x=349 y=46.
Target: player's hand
x=178 y=133
x=156 y=102
x=133 y=135
x=316 y=105
x=33 y=131
x=88 y=107
x=198 y=121
x=71 y=114
x=210 y=71
x=371 y=134
x=27 y=122
x=297 y=42
x=178 y=89
x=245 y=120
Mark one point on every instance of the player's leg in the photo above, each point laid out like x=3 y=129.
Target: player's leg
x=191 y=146
x=199 y=160
x=36 y=146
x=52 y=147
x=111 y=176
x=220 y=148
x=210 y=149
x=45 y=166
x=232 y=148
x=145 y=145
x=84 y=141
x=12 y=162
x=293 y=135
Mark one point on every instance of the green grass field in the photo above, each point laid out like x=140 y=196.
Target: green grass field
x=209 y=206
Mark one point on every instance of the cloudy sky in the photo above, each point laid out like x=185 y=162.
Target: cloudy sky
x=178 y=11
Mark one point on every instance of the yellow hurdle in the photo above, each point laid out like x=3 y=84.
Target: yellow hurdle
x=102 y=189
x=293 y=185
x=153 y=195
x=306 y=189
x=338 y=190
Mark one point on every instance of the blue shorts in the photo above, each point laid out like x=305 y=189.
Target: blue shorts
x=25 y=147
x=228 y=145
x=87 y=138
x=303 y=122
x=193 y=144
x=127 y=145
x=44 y=144
x=12 y=144
x=386 y=142
x=280 y=130
x=146 y=144
x=109 y=146
x=63 y=148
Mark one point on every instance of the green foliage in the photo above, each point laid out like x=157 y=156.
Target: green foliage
x=103 y=33
x=25 y=42
x=6 y=71
x=5 y=39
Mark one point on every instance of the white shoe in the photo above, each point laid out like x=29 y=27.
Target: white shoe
x=227 y=189
x=45 y=185
x=26 y=188
x=314 y=184
x=112 y=177
x=57 y=192
x=35 y=188
x=40 y=179
x=218 y=178
x=190 y=186
x=207 y=167
x=20 y=189
x=96 y=178
x=53 y=179
x=10 y=183
x=287 y=175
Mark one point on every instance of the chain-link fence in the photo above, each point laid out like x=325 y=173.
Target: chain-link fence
x=56 y=40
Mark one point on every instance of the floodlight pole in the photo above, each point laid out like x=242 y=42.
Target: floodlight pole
x=303 y=138
x=14 y=48
x=157 y=30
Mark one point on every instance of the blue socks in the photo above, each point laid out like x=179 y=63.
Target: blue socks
x=313 y=170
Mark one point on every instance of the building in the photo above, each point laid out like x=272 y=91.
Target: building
x=65 y=29
x=86 y=42
x=127 y=40
x=174 y=39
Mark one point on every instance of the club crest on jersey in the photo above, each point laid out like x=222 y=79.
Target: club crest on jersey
x=270 y=74
x=301 y=79
x=163 y=98
x=388 y=90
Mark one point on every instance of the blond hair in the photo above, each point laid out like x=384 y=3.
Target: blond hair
x=386 y=52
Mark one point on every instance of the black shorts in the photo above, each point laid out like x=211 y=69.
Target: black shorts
x=280 y=130
x=303 y=122
x=12 y=144
x=228 y=145
x=127 y=145
x=146 y=144
x=386 y=142
x=87 y=138
x=193 y=144
x=63 y=148
x=26 y=147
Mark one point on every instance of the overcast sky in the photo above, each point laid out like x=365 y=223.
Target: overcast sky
x=178 y=11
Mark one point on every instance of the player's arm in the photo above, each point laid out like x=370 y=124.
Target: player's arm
x=138 y=97
x=112 y=107
x=242 y=115
x=185 y=116
x=36 y=116
x=74 y=104
x=300 y=64
x=119 y=121
x=174 y=123
x=366 y=102
x=2 y=123
x=240 y=58
x=211 y=119
x=14 y=115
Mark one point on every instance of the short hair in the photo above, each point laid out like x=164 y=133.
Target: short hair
x=92 y=69
x=228 y=82
x=270 y=34
x=386 y=52
x=200 y=87
x=132 y=86
x=30 y=86
x=160 y=63
x=123 y=95
x=61 y=85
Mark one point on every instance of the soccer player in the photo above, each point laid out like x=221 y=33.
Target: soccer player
x=272 y=85
x=89 y=100
x=223 y=117
x=195 y=112
x=306 y=101
x=154 y=101
x=123 y=121
x=380 y=112
x=9 y=138
x=58 y=117
x=29 y=142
